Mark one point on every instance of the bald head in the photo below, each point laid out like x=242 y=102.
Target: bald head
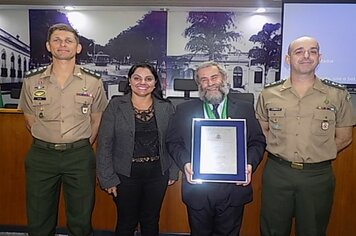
x=300 y=41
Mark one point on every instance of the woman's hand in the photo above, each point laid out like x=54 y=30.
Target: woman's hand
x=112 y=190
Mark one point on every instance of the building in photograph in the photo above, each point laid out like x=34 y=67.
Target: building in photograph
x=15 y=57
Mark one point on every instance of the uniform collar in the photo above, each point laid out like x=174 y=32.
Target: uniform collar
x=77 y=72
x=46 y=73
x=318 y=85
x=286 y=85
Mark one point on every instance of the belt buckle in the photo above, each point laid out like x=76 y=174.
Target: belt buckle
x=297 y=165
x=60 y=146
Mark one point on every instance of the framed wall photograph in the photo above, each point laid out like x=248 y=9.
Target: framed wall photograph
x=219 y=152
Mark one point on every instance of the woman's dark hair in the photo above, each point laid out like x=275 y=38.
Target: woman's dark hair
x=157 y=91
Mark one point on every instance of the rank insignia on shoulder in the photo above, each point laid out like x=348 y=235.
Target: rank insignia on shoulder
x=348 y=97
x=274 y=83
x=333 y=84
x=90 y=72
x=35 y=71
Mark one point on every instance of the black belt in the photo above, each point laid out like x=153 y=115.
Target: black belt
x=145 y=159
x=299 y=165
x=61 y=146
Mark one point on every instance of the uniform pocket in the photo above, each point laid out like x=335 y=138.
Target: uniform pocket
x=83 y=105
x=276 y=119
x=323 y=123
x=43 y=109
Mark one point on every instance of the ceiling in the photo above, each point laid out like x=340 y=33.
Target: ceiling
x=152 y=3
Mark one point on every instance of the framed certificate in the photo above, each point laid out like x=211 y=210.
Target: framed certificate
x=219 y=150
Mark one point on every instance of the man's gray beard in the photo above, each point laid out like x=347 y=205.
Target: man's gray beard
x=214 y=98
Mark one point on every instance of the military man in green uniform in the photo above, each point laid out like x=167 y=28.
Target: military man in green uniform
x=306 y=121
x=62 y=104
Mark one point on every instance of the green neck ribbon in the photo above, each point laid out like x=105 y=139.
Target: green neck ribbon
x=209 y=111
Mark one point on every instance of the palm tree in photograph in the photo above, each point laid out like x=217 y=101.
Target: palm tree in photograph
x=210 y=33
x=267 y=51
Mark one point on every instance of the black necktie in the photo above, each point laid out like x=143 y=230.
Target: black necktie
x=215 y=111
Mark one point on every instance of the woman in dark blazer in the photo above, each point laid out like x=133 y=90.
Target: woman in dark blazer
x=133 y=163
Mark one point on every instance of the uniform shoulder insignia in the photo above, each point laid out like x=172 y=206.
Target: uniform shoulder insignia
x=333 y=84
x=35 y=71
x=274 y=83
x=90 y=72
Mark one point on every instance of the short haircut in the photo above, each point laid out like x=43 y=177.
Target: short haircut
x=63 y=27
x=300 y=38
x=221 y=69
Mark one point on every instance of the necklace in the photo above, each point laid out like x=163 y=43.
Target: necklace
x=144 y=115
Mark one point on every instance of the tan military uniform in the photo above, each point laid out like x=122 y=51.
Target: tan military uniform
x=62 y=115
x=303 y=129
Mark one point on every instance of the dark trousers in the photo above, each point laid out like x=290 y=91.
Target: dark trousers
x=304 y=194
x=46 y=171
x=219 y=217
x=140 y=198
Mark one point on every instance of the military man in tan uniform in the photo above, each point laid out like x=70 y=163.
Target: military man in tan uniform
x=62 y=104
x=306 y=121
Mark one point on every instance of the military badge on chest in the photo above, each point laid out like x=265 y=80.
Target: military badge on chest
x=326 y=108
x=85 y=107
x=274 y=125
x=325 y=125
x=275 y=113
x=40 y=94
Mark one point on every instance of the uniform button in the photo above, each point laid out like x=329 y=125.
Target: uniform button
x=296 y=134
x=298 y=117
x=62 y=121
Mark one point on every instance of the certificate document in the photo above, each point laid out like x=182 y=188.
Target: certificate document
x=219 y=150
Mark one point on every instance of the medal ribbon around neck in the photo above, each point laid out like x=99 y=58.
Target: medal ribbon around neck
x=209 y=111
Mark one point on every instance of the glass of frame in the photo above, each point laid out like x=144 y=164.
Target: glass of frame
x=219 y=150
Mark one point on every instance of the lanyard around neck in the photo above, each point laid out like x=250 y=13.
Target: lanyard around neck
x=210 y=113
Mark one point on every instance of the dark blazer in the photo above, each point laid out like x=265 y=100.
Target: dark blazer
x=179 y=146
x=117 y=135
